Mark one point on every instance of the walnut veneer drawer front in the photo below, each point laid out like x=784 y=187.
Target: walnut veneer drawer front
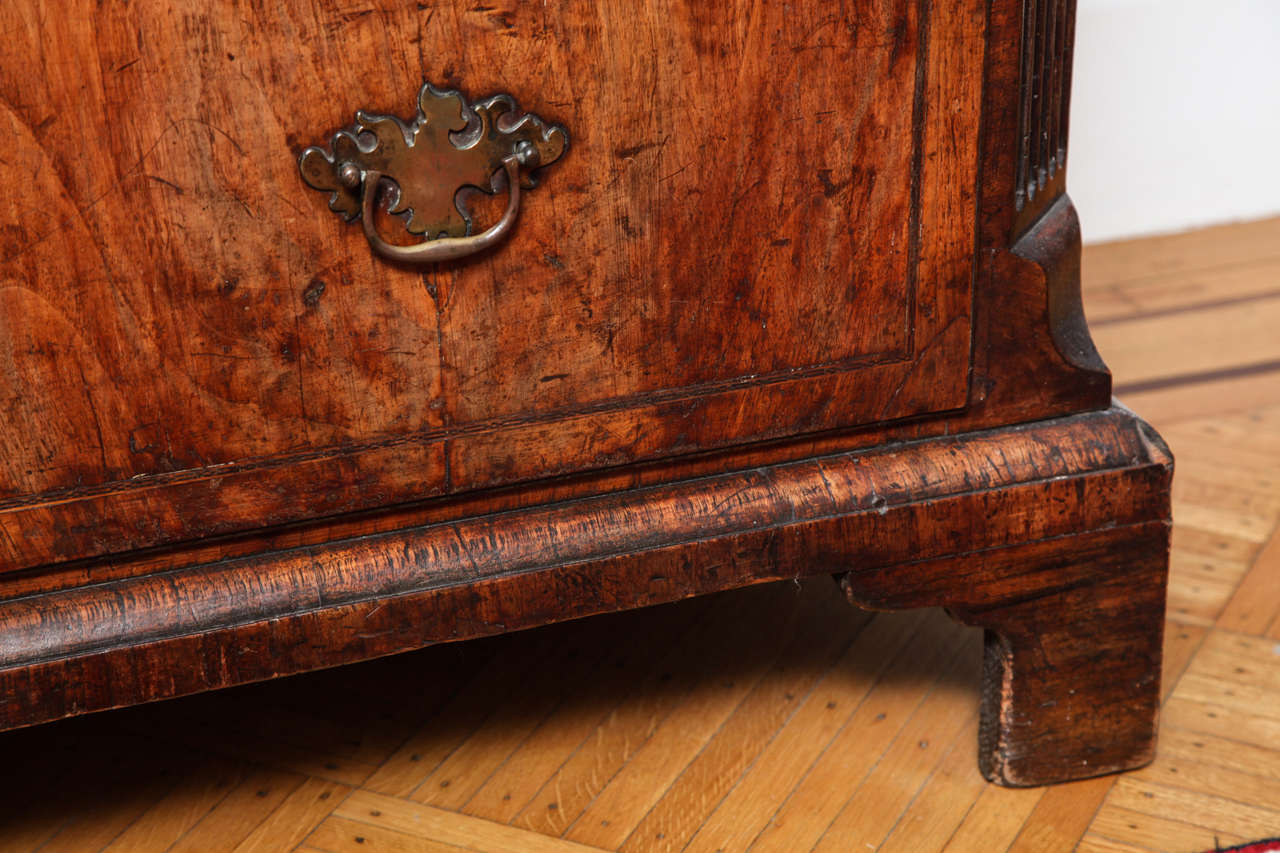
x=763 y=226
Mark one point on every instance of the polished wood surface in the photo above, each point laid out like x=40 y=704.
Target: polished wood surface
x=773 y=715
x=1075 y=507
x=696 y=272
x=939 y=424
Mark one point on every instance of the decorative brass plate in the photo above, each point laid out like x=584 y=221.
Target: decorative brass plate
x=451 y=144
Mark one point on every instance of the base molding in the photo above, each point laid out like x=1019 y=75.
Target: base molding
x=981 y=523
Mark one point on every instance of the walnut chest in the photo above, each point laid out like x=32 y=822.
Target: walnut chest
x=597 y=306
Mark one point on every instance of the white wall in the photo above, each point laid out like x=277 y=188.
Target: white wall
x=1175 y=114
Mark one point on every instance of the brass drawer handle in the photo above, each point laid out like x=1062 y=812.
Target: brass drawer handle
x=450 y=144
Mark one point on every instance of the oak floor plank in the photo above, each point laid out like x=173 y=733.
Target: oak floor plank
x=719 y=647
x=1185 y=291
x=294 y=819
x=1207 y=777
x=260 y=792
x=1212 y=718
x=941 y=806
x=1062 y=816
x=1254 y=607
x=439 y=825
x=827 y=632
x=1197 y=601
x=445 y=730
x=203 y=727
x=1251 y=528
x=447 y=727
x=1187 y=745
x=181 y=808
x=1152 y=832
x=641 y=661
x=883 y=801
x=28 y=838
x=1232 y=457
x=1252 y=493
x=1258 y=430
x=887 y=642
x=1181 y=643
x=343 y=835
x=42 y=760
x=1211 y=480
x=1100 y=844
x=96 y=829
x=379 y=705
x=1208 y=566
x=1215 y=543
x=1205 y=249
x=898 y=702
x=457 y=779
x=1243 y=659
x=994 y=820
x=1225 y=395
x=615 y=812
x=103 y=790
x=1201 y=809
x=1214 y=338
x=1224 y=693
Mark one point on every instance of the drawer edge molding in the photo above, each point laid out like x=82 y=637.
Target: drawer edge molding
x=891 y=510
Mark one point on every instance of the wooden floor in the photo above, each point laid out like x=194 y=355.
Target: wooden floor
x=771 y=719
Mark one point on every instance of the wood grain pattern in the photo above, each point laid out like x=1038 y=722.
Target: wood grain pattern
x=1049 y=484
x=405 y=711
x=262 y=464
x=795 y=225
x=1071 y=678
x=707 y=206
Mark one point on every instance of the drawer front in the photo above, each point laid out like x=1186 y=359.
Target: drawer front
x=763 y=227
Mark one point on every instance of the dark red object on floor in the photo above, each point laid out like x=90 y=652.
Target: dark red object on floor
x=1270 y=845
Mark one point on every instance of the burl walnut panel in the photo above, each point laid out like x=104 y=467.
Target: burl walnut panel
x=747 y=183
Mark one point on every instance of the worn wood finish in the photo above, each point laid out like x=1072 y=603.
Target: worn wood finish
x=694 y=724
x=1072 y=658
x=1077 y=489
x=292 y=355
x=1038 y=360
x=787 y=307
x=382 y=425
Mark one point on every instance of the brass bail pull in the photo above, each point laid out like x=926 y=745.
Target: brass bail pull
x=443 y=248
x=450 y=144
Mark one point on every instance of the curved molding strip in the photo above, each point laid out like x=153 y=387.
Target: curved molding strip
x=251 y=618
